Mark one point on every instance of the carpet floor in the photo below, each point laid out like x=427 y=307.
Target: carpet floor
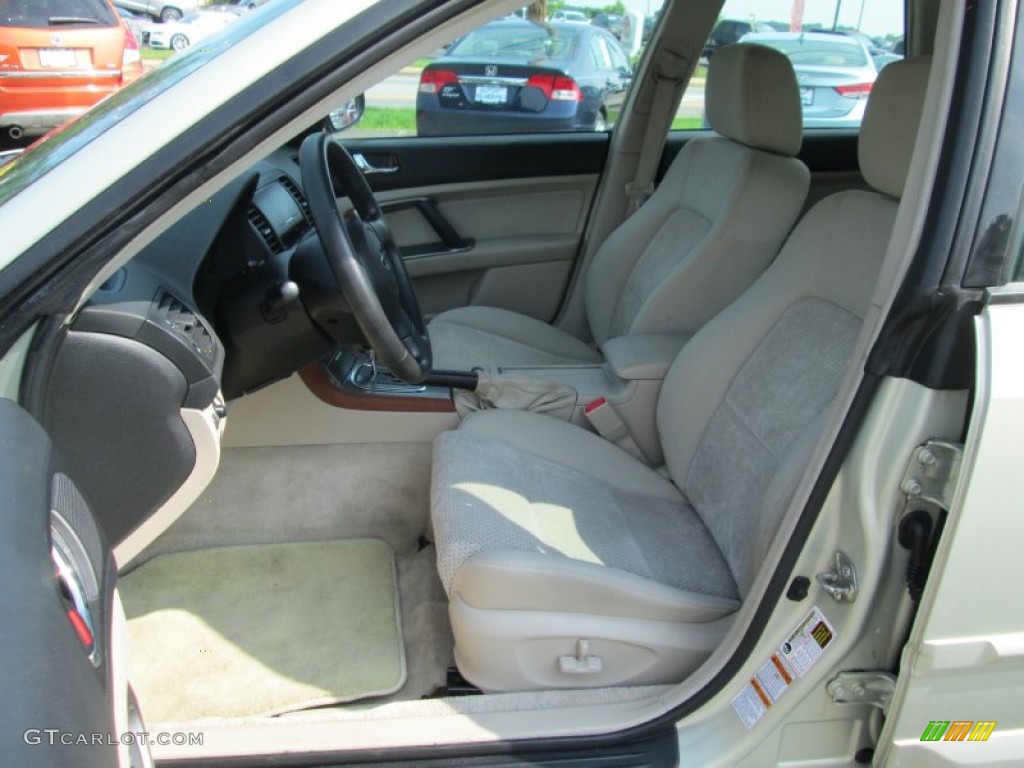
x=262 y=630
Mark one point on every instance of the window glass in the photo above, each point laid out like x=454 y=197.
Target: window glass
x=619 y=60
x=1016 y=271
x=568 y=73
x=47 y=14
x=517 y=40
x=602 y=59
x=1013 y=270
x=571 y=72
x=837 y=50
x=809 y=50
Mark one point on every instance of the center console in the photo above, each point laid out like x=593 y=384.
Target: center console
x=629 y=381
x=626 y=388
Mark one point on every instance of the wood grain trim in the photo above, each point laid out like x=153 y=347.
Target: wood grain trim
x=319 y=383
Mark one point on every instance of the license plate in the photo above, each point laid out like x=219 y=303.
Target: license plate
x=56 y=58
x=806 y=96
x=491 y=94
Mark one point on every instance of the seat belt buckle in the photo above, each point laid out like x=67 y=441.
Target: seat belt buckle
x=609 y=425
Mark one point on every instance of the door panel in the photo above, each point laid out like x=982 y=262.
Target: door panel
x=423 y=162
x=510 y=244
x=485 y=220
x=499 y=220
x=56 y=628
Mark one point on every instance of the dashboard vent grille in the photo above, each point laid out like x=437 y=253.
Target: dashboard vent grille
x=265 y=231
x=179 y=317
x=300 y=198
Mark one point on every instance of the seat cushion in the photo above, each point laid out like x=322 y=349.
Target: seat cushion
x=625 y=541
x=468 y=337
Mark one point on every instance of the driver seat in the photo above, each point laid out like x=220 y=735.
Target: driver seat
x=711 y=227
x=568 y=563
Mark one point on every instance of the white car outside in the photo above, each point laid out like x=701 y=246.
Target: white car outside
x=179 y=35
x=575 y=17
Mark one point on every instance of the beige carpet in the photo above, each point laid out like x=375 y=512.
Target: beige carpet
x=263 y=630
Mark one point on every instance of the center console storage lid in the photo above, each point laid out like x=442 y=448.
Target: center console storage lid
x=643 y=356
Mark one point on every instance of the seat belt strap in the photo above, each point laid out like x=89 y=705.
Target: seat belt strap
x=609 y=425
x=668 y=69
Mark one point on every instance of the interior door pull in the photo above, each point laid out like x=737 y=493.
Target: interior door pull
x=367 y=167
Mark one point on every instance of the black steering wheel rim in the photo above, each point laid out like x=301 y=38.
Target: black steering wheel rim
x=364 y=258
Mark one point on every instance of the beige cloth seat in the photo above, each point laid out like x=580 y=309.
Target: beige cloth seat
x=715 y=222
x=568 y=563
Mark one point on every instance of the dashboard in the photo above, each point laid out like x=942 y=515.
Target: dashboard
x=234 y=296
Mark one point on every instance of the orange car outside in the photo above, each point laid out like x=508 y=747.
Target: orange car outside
x=57 y=59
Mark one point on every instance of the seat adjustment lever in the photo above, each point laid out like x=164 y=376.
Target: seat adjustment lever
x=582 y=663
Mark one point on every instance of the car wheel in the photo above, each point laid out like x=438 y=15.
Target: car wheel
x=600 y=123
x=179 y=42
x=170 y=14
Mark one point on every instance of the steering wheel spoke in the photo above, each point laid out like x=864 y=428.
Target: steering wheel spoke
x=364 y=258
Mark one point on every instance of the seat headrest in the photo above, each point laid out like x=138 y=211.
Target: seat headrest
x=751 y=96
x=891 y=119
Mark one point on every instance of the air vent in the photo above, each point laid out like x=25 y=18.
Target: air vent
x=295 y=192
x=173 y=312
x=265 y=231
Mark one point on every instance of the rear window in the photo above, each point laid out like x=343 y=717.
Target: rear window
x=47 y=14
x=519 y=42
x=818 y=53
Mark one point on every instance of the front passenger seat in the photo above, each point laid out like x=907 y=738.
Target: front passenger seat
x=712 y=226
x=568 y=563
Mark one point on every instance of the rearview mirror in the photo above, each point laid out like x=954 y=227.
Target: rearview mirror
x=345 y=116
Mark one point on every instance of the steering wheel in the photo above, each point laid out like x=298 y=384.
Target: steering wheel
x=364 y=258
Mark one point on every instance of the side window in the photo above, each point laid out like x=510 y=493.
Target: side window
x=1015 y=272
x=602 y=58
x=511 y=75
x=837 y=52
x=619 y=60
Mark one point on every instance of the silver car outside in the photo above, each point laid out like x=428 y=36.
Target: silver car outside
x=163 y=10
x=835 y=73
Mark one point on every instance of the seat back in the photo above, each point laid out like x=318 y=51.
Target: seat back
x=745 y=401
x=720 y=214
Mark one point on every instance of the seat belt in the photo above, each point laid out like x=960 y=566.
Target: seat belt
x=668 y=69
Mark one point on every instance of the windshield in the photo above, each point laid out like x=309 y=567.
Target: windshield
x=43 y=14
x=817 y=53
x=521 y=41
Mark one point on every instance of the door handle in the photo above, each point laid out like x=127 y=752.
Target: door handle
x=367 y=167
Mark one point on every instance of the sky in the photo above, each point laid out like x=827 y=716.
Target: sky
x=881 y=17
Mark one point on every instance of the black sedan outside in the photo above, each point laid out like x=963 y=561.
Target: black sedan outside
x=514 y=76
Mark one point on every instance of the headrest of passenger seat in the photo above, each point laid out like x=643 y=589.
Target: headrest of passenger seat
x=891 y=119
x=752 y=97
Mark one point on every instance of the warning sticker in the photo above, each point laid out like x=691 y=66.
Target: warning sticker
x=808 y=642
x=749 y=706
x=804 y=646
x=774 y=678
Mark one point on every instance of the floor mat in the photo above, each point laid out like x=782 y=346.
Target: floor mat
x=262 y=630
